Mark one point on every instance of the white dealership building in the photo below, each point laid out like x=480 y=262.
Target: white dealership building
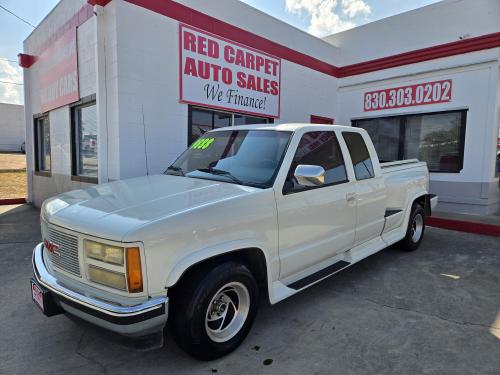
x=118 y=88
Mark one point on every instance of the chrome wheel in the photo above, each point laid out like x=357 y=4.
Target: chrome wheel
x=417 y=227
x=227 y=312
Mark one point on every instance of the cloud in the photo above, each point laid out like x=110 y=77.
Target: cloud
x=9 y=93
x=329 y=16
x=352 y=8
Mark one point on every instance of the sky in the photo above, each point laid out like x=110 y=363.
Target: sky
x=318 y=17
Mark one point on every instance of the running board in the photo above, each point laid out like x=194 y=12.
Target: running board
x=321 y=274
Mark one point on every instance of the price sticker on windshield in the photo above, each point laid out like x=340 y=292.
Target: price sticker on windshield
x=202 y=143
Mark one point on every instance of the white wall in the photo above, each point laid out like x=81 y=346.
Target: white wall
x=148 y=81
x=129 y=57
x=12 y=132
x=42 y=187
x=439 y=23
x=474 y=88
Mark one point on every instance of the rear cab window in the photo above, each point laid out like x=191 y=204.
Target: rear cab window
x=361 y=160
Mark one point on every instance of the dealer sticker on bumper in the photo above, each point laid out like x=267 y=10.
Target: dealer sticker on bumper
x=37 y=295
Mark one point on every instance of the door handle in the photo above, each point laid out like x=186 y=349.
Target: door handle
x=350 y=197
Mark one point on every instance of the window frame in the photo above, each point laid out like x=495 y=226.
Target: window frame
x=74 y=143
x=192 y=108
x=285 y=192
x=36 y=145
x=402 y=133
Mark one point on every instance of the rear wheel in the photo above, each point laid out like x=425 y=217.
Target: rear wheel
x=415 y=230
x=213 y=310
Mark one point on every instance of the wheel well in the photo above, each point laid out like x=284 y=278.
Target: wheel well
x=253 y=258
x=425 y=202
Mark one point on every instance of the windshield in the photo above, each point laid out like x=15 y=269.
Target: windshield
x=245 y=157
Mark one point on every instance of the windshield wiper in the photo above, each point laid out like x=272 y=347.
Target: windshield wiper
x=175 y=169
x=221 y=172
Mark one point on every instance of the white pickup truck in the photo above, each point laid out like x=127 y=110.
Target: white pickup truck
x=245 y=211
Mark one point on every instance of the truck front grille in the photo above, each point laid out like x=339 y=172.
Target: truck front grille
x=67 y=258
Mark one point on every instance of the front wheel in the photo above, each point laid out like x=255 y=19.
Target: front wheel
x=415 y=230
x=212 y=312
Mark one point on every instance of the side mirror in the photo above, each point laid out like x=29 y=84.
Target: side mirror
x=310 y=175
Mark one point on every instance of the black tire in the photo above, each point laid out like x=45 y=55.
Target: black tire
x=415 y=231
x=190 y=303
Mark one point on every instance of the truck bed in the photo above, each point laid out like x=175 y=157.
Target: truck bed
x=400 y=165
x=403 y=179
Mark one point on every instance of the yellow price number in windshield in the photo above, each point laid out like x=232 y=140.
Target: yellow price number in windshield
x=202 y=143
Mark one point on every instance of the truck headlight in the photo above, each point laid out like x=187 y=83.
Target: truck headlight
x=104 y=253
x=114 y=266
x=109 y=278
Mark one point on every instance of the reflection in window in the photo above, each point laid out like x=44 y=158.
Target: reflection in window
x=249 y=120
x=436 y=138
x=384 y=133
x=319 y=148
x=251 y=156
x=361 y=160
x=203 y=120
x=85 y=141
x=42 y=144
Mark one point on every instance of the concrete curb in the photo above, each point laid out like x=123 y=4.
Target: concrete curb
x=464 y=226
x=8 y=201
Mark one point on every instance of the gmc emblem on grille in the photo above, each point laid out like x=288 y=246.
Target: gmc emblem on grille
x=51 y=247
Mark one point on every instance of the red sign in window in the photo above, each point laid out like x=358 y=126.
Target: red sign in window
x=409 y=96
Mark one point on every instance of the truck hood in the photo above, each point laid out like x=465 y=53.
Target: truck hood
x=112 y=210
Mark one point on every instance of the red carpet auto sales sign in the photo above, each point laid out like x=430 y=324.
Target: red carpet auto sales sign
x=59 y=73
x=219 y=73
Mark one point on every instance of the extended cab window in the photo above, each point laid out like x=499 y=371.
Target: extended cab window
x=361 y=160
x=318 y=148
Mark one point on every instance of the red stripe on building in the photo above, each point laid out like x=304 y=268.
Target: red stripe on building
x=10 y=201
x=464 y=226
x=425 y=54
x=76 y=20
x=184 y=14
x=102 y=3
x=208 y=23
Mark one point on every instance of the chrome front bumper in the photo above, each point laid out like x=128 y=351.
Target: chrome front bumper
x=137 y=320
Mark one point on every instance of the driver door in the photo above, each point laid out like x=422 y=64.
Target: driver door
x=315 y=223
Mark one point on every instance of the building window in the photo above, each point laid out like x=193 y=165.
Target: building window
x=84 y=145
x=42 y=145
x=436 y=138
x=202 y=120
x=360 y=157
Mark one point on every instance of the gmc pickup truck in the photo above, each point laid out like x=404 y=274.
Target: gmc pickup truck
x=246 y=211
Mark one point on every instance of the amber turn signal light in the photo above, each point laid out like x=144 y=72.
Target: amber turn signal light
x=134 y=272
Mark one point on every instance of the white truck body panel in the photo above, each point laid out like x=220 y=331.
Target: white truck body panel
x=180 y=221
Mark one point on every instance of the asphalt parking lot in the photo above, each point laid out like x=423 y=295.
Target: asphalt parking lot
x=434 y=311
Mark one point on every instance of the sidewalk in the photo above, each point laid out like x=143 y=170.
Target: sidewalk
x=480 y=224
